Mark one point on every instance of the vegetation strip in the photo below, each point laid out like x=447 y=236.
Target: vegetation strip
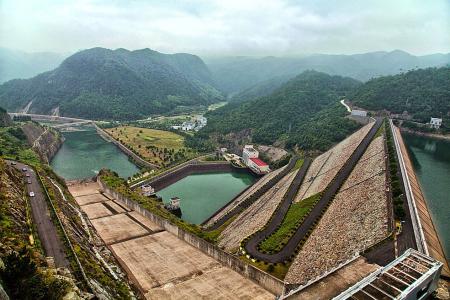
x=249 y=201
x=251 y=244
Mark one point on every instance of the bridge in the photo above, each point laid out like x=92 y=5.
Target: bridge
x=37 y=117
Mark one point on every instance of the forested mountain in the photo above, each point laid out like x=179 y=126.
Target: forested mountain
x=100 y=83
x=304 y=112
x=235 y=74
x=422 y=93
x=17 y=64
x=260 y=89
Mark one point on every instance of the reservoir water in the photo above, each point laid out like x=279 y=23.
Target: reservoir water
x=431 y=161
x=203 y=194
x=84 y=153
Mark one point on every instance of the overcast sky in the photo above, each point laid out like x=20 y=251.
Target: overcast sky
x=227 y=27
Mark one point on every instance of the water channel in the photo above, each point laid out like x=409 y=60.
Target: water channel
x=84 y=153
x=203 y=194
x=431 y=161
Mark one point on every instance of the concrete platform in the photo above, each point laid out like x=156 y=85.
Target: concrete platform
x=113 y=229
x=114 y=206
x=160 y=258
x=220 y=283
x=144 y=221
x=84 y=189
x=91 y=198
x=96 y=210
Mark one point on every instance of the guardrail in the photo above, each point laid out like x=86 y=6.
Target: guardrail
x=417 y=226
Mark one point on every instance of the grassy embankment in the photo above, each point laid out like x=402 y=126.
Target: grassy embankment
x=293 y=219
x=163 y=148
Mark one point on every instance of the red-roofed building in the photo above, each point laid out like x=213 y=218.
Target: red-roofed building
x=250 y=158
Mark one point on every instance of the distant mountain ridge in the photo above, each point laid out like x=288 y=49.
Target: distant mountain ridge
x=236 y=74
x=100 y=83
x=18 y=64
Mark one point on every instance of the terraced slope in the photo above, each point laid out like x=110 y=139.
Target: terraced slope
x=245 y=203
x=321 y=207
x=356 y=219
x=247 y=193
x=256 y=216
x=325 y=167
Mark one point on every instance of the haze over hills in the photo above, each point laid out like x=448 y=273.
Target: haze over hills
x=236 y=74
x=19 y=64
x=304 y=112
x=103 y=84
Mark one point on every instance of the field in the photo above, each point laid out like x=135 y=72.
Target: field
x=163 y=148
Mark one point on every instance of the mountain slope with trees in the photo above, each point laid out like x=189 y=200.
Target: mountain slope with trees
x=236 y=74
x=422 y=93
x=100 y=83
x=303 y=112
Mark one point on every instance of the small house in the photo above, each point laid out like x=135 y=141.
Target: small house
x=435 y=123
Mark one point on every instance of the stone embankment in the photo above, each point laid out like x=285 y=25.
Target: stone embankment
x=242 y=197
x=425 y=227
x=325 y=167
x=256 y=216
x=356 y=219
x=44 y=140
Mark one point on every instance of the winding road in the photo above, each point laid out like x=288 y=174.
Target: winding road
x=251 y=247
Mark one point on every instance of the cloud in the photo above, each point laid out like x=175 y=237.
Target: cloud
x=232 y=27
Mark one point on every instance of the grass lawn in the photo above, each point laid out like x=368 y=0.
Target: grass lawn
x=298 y=164
x=156 y=146
x=277 y=270
x=294 y=217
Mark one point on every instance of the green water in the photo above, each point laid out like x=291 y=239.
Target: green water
x=203 y=194
x=84 y=153
x=431 y=161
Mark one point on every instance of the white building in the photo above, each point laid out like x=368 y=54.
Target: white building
x=148 y=190
x=250 y=157
x=413 y=275
x=187 y=126
x=435 y=123
x=249 y=152
x=361 y=113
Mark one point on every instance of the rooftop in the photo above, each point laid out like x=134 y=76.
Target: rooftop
x=395 y=280
x=259 y=162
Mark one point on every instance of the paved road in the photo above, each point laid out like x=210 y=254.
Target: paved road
x=282 y=209
x=48 y=234
x=316 y=212
x=253 y=197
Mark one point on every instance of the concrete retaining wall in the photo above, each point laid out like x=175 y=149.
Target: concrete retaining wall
x=161 y=182
x=124 y=149
x=267 y=281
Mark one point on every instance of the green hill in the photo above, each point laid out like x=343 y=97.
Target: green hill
x=100 y=83
x=422 y=93
x=304 y=112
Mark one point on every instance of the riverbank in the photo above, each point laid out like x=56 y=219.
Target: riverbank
x=432 y=241
x=427 y=134
x=139 y=160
